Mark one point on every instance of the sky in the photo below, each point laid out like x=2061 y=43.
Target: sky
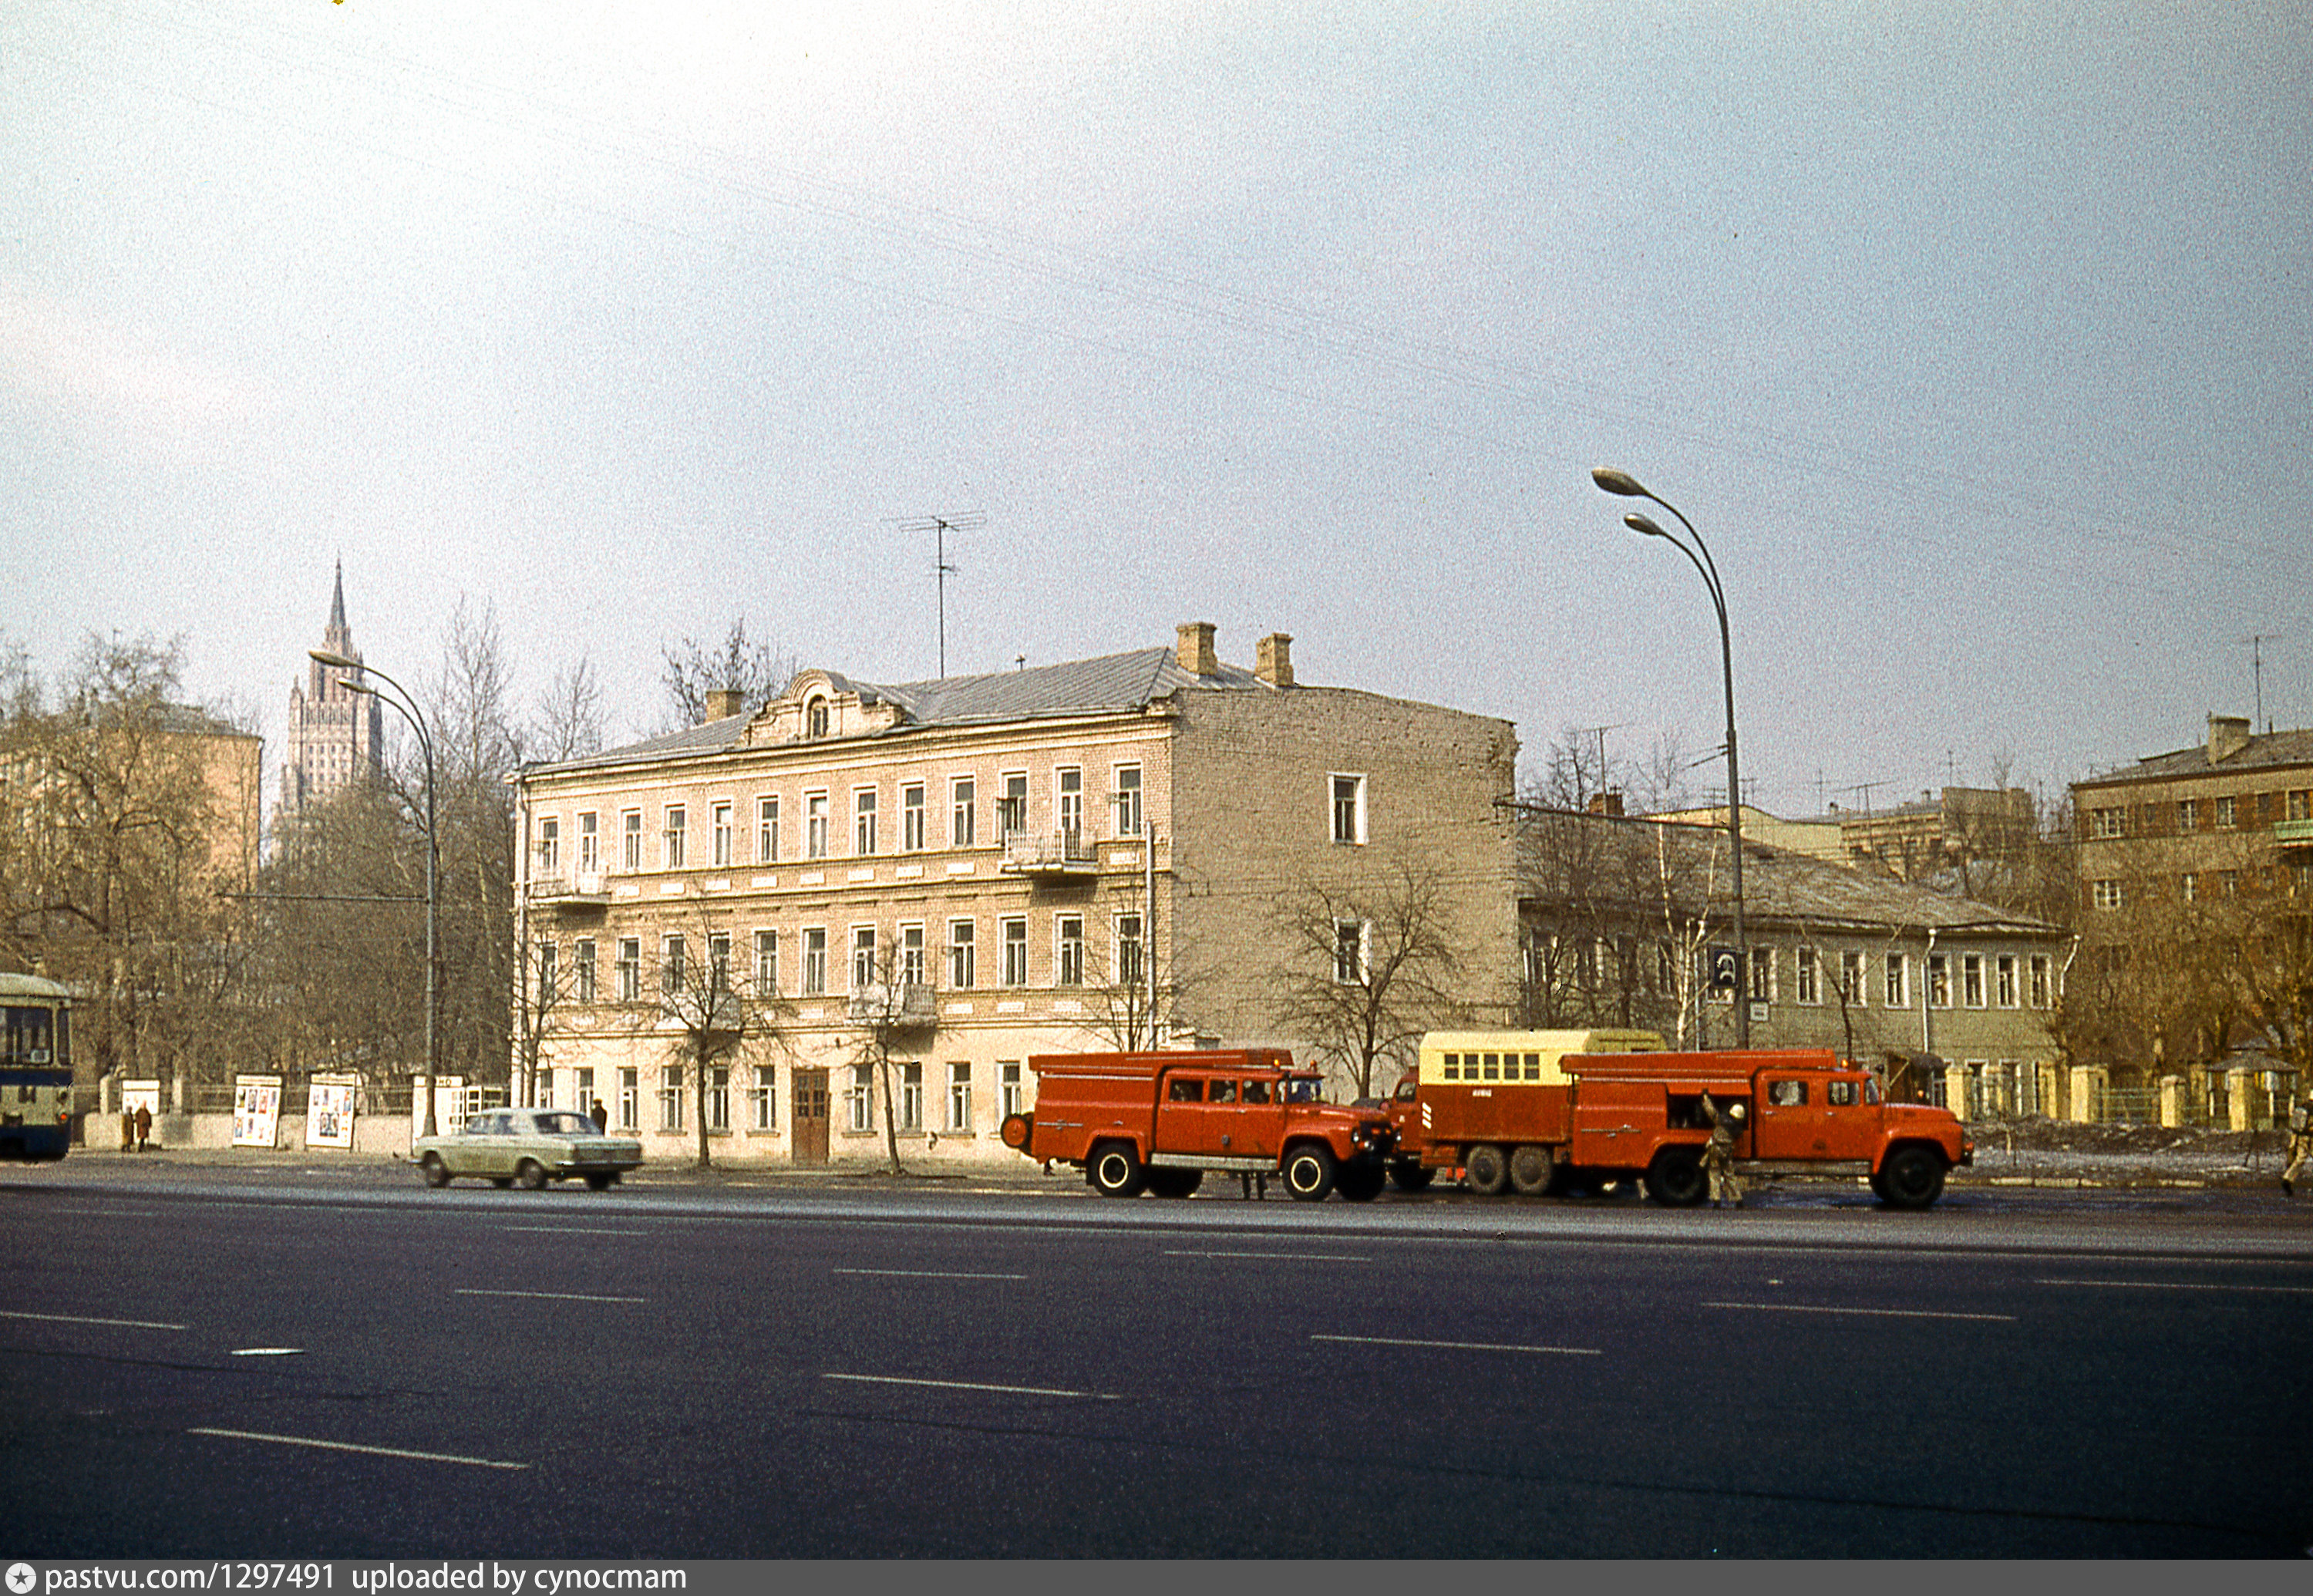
x=1975 y=340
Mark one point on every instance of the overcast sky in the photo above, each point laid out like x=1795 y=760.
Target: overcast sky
x=1978 y=341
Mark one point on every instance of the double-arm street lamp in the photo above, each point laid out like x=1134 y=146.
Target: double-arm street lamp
x=403 y=705
x=1626 y=486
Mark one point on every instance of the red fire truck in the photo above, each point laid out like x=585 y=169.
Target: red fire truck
x=1156 y=1122
x=1543 y=1111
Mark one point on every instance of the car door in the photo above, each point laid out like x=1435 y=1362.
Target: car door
x=1791 y=1118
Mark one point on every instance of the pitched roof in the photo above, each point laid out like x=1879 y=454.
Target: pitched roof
x=2269 y=751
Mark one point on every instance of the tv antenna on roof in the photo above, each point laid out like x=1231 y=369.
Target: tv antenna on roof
x=939 y=526
x=2257 y=643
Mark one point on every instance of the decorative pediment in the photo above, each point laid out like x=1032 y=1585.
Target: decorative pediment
x=821 y=706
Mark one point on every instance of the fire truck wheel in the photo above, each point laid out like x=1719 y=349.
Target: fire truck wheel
x=1530 y=1170
x=1486 y=1170
x=1310 y=1172
x=1175 y=1183
x=1116 y=1170
x=1362 y=1181
x=1016 y=1129
x=1675 y=1178
x=1912 y=1177
x=1410 y=1177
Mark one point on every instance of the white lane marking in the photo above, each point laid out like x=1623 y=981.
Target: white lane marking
x=571 y=1230
x=2184 y=1285
x=1474 y=1346
x=74 y=1319
x=266 y=1352
x=969 y=1385
x=931 y=1274
x=347 y=1446
x=2001 y=1318
x=543 y=1296
x=1309 y=1258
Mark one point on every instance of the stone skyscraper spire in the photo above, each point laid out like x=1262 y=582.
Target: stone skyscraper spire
x=336 y=736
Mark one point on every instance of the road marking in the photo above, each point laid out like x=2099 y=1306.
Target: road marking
x=2002 y=1319
x=968 y=1385
x=1474 y=1346
x=543 y=1296
x=931 y=1274
x=74 y=1319
x=1311 y=1257
x=347 y=1446
x=2184 y=1285
x=572 y=1231
x=266 y=1352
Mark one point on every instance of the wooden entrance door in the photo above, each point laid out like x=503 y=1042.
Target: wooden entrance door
x=810 y=1116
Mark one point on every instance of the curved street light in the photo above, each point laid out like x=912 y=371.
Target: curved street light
x=402 y=704
x=1623 y=484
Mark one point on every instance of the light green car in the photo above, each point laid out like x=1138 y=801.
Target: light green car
x=529 y=1146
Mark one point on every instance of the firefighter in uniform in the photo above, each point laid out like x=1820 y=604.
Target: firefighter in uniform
x=1718 y=1155
x=2300 y=1148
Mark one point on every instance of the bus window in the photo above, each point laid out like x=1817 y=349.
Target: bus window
x=1451 y=1069
x=1534 y=1066
x=1494 y=1066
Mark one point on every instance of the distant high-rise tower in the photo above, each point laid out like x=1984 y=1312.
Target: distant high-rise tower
x=336 y=736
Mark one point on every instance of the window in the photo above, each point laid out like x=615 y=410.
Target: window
x=911 y=1096
x=2228 y=884
x=2003 y=979
x=1127 y=800
x=581 y=969
x=550 y=845
x=670 y=965
x=676 y=820
x=1838 y=1094
x=1349 y=808
x=1008 y=1085
x=2188 y=886
x=719 y=828
x=2107 y=823
x=1971 y=980
x=1015 y=953
x=1787 y=1094
x=1350 y=952
x=719 y=962
x=763 y=1099
x=670 y=1097
x=814 y=960
x=814 y=719
x=1851 y=978
x=718 y=1099
x=859 y=1101
x=963 y=964
x=767 y=831
x=2300 y=803
x=1012 y=808
x=1181 y=1088
x=1127 y=951
x=1805 y=978
x=2188 y=815
x=814 y=825
x=1069 y=947
x=767 y=963
x=2104 y=893
x=911 y=818
x=631 y=856
x=548 y=976
x=631 y=969
x=629 y=1099
x=862 y=821
x=1938 y=981
x=863 y=958
x=2225 y=814
x=1899 y=981
x=960 y=815
x=1067 y=787
x=959 y=1097
x=911 y=955
x=1762 y=974
x=589 y=842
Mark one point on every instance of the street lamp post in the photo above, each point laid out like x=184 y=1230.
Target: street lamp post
x=403 y=705
x=1626 y=486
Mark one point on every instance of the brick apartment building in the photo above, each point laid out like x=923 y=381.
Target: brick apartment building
x=1013 y=863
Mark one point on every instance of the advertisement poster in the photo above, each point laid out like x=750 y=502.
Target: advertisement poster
x=256 y=1110
x=329 y=1111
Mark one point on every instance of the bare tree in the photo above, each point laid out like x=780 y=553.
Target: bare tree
x=895 y=1013
x=754 y=670
x=566 y=718
x=711 y=1007
x=1370 y=965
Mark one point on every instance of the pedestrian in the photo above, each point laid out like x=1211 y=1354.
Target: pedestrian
x=601 y=1116
x=2300 y=1148
x=1718 y=1155
x=127 y=1129
x=143 y=1127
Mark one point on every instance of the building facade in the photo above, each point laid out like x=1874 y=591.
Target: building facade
x=969 y=871
x=336 y=737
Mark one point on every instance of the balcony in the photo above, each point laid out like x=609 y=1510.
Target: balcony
x=1049 y=855
x=905 y=1004
x=583 y=889
x=2293 y=833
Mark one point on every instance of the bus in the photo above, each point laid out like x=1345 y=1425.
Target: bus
x=36 y=1073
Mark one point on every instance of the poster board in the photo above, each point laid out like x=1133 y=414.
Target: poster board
x=140 y=1094
x=329 y=1111
x=449 y=1104
x=256 y=1110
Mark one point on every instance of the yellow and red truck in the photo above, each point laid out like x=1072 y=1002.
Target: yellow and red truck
x=1156 y=1122
x=1544 y=1111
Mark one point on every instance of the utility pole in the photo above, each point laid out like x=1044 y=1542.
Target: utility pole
x=939 y=526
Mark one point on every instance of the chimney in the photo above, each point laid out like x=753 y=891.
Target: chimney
x=1195 y=650
x=722 y=702
x=2228 y=735
x=1606 y=804
x=1272 y=659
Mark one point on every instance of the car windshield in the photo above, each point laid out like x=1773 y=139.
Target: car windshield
x=565 y=1123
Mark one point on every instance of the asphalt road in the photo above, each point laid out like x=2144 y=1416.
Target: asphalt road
x=212 y=1363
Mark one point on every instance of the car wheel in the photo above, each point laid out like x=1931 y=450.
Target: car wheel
x=1912 y=1177
x=1675 y=1178
x=437 y=1172
x=1310 y=1172
x=1530 y=1170
x=599 y=1183
x=531 y=1174
x=1117 y=1171
x=1486 y=1170
x=1362 y=1181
